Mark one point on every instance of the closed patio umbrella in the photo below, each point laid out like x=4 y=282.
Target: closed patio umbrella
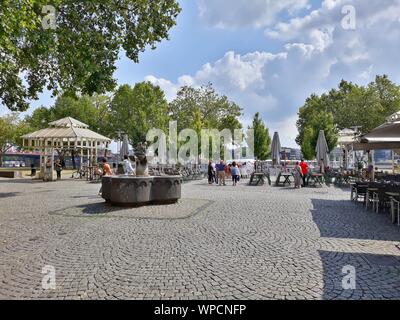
x=322 y=149
x=276 y=149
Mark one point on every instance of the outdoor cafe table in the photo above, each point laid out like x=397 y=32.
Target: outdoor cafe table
x=343 y=178
x=257 y=178
x=286 y=180
x=317 y=179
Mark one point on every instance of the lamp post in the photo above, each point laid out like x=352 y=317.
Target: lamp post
x=357 y=132
x=119 y=134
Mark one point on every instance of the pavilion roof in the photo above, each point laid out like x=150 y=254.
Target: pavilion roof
x=68 y=122
x=67 y=128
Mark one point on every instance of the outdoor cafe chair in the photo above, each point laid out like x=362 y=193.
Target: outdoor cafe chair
x=317 y=180
x=395 y=207
x=381 y=197
x=358 y=191
x=369 y=196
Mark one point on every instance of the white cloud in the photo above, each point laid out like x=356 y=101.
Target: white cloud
x=169 y=88
x=245 y=13
x=241 y=72
x=316 y=54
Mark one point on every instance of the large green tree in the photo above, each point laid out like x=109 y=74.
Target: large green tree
x=94 y=111
x=136 y=110
x=317 y=122
x=262 y=139
x=11 y=130
x=76 y=53
x=203 y=108
x=347 y=106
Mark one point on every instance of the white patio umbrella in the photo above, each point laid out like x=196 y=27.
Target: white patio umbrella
x=276 y=149
x=322 y=149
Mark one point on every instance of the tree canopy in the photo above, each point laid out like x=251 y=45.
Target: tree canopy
x=347 y=106
x=79 y=53
x=203 y=108
x=11 y=130
x=94 y=111
x=262 y=139
x=136 y=110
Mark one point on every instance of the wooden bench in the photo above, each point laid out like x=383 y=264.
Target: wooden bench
x=10 y=174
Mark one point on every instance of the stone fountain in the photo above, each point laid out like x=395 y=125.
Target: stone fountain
x=141 y=189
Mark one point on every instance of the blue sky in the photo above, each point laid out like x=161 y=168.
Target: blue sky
x=270 y=55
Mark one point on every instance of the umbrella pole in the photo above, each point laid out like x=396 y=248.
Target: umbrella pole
x=394 y=171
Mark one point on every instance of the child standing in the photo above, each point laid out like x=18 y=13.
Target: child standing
x=235 y=173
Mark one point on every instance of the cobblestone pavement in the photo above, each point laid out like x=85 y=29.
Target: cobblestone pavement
x=217 y=243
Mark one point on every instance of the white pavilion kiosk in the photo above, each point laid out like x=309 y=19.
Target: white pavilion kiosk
x=65 y=134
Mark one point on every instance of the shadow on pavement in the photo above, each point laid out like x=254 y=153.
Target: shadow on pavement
x=9 y=195
x=345 y=219
x=375 y=276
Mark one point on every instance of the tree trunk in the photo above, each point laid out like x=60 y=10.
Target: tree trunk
x=1 y=159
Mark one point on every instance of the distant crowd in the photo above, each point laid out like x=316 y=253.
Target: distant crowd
x=219 y=173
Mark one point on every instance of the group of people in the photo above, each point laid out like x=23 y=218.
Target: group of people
x=300 y=174
x=128 y=169
x=218 y=173
x=127 y=166
x=58 y=167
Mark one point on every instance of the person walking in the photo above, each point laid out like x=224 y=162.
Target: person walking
x=210 y=173
x=48 y=173
x=215 y=174
x=128 y=169
x=297 y=176
x=235 y=173
x=58 y=168
x=304 y=171
x=228 y=171
x=106 y=172
x=221 y=173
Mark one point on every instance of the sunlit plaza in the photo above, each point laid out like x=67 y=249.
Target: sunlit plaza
x=242 y=242
x=199 y=150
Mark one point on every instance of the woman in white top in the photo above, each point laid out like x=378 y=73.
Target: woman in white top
x=128 y=167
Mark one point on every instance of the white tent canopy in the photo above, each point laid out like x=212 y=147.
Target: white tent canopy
x=65 y=134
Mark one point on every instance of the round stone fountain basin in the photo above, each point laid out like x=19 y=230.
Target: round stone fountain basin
x=137 y=191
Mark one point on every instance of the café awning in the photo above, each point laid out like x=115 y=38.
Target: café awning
x=384 y=137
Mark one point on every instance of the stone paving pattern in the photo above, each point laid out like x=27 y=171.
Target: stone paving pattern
x=218 y=243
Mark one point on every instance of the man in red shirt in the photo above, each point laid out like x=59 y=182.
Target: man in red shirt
x=304 y=170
